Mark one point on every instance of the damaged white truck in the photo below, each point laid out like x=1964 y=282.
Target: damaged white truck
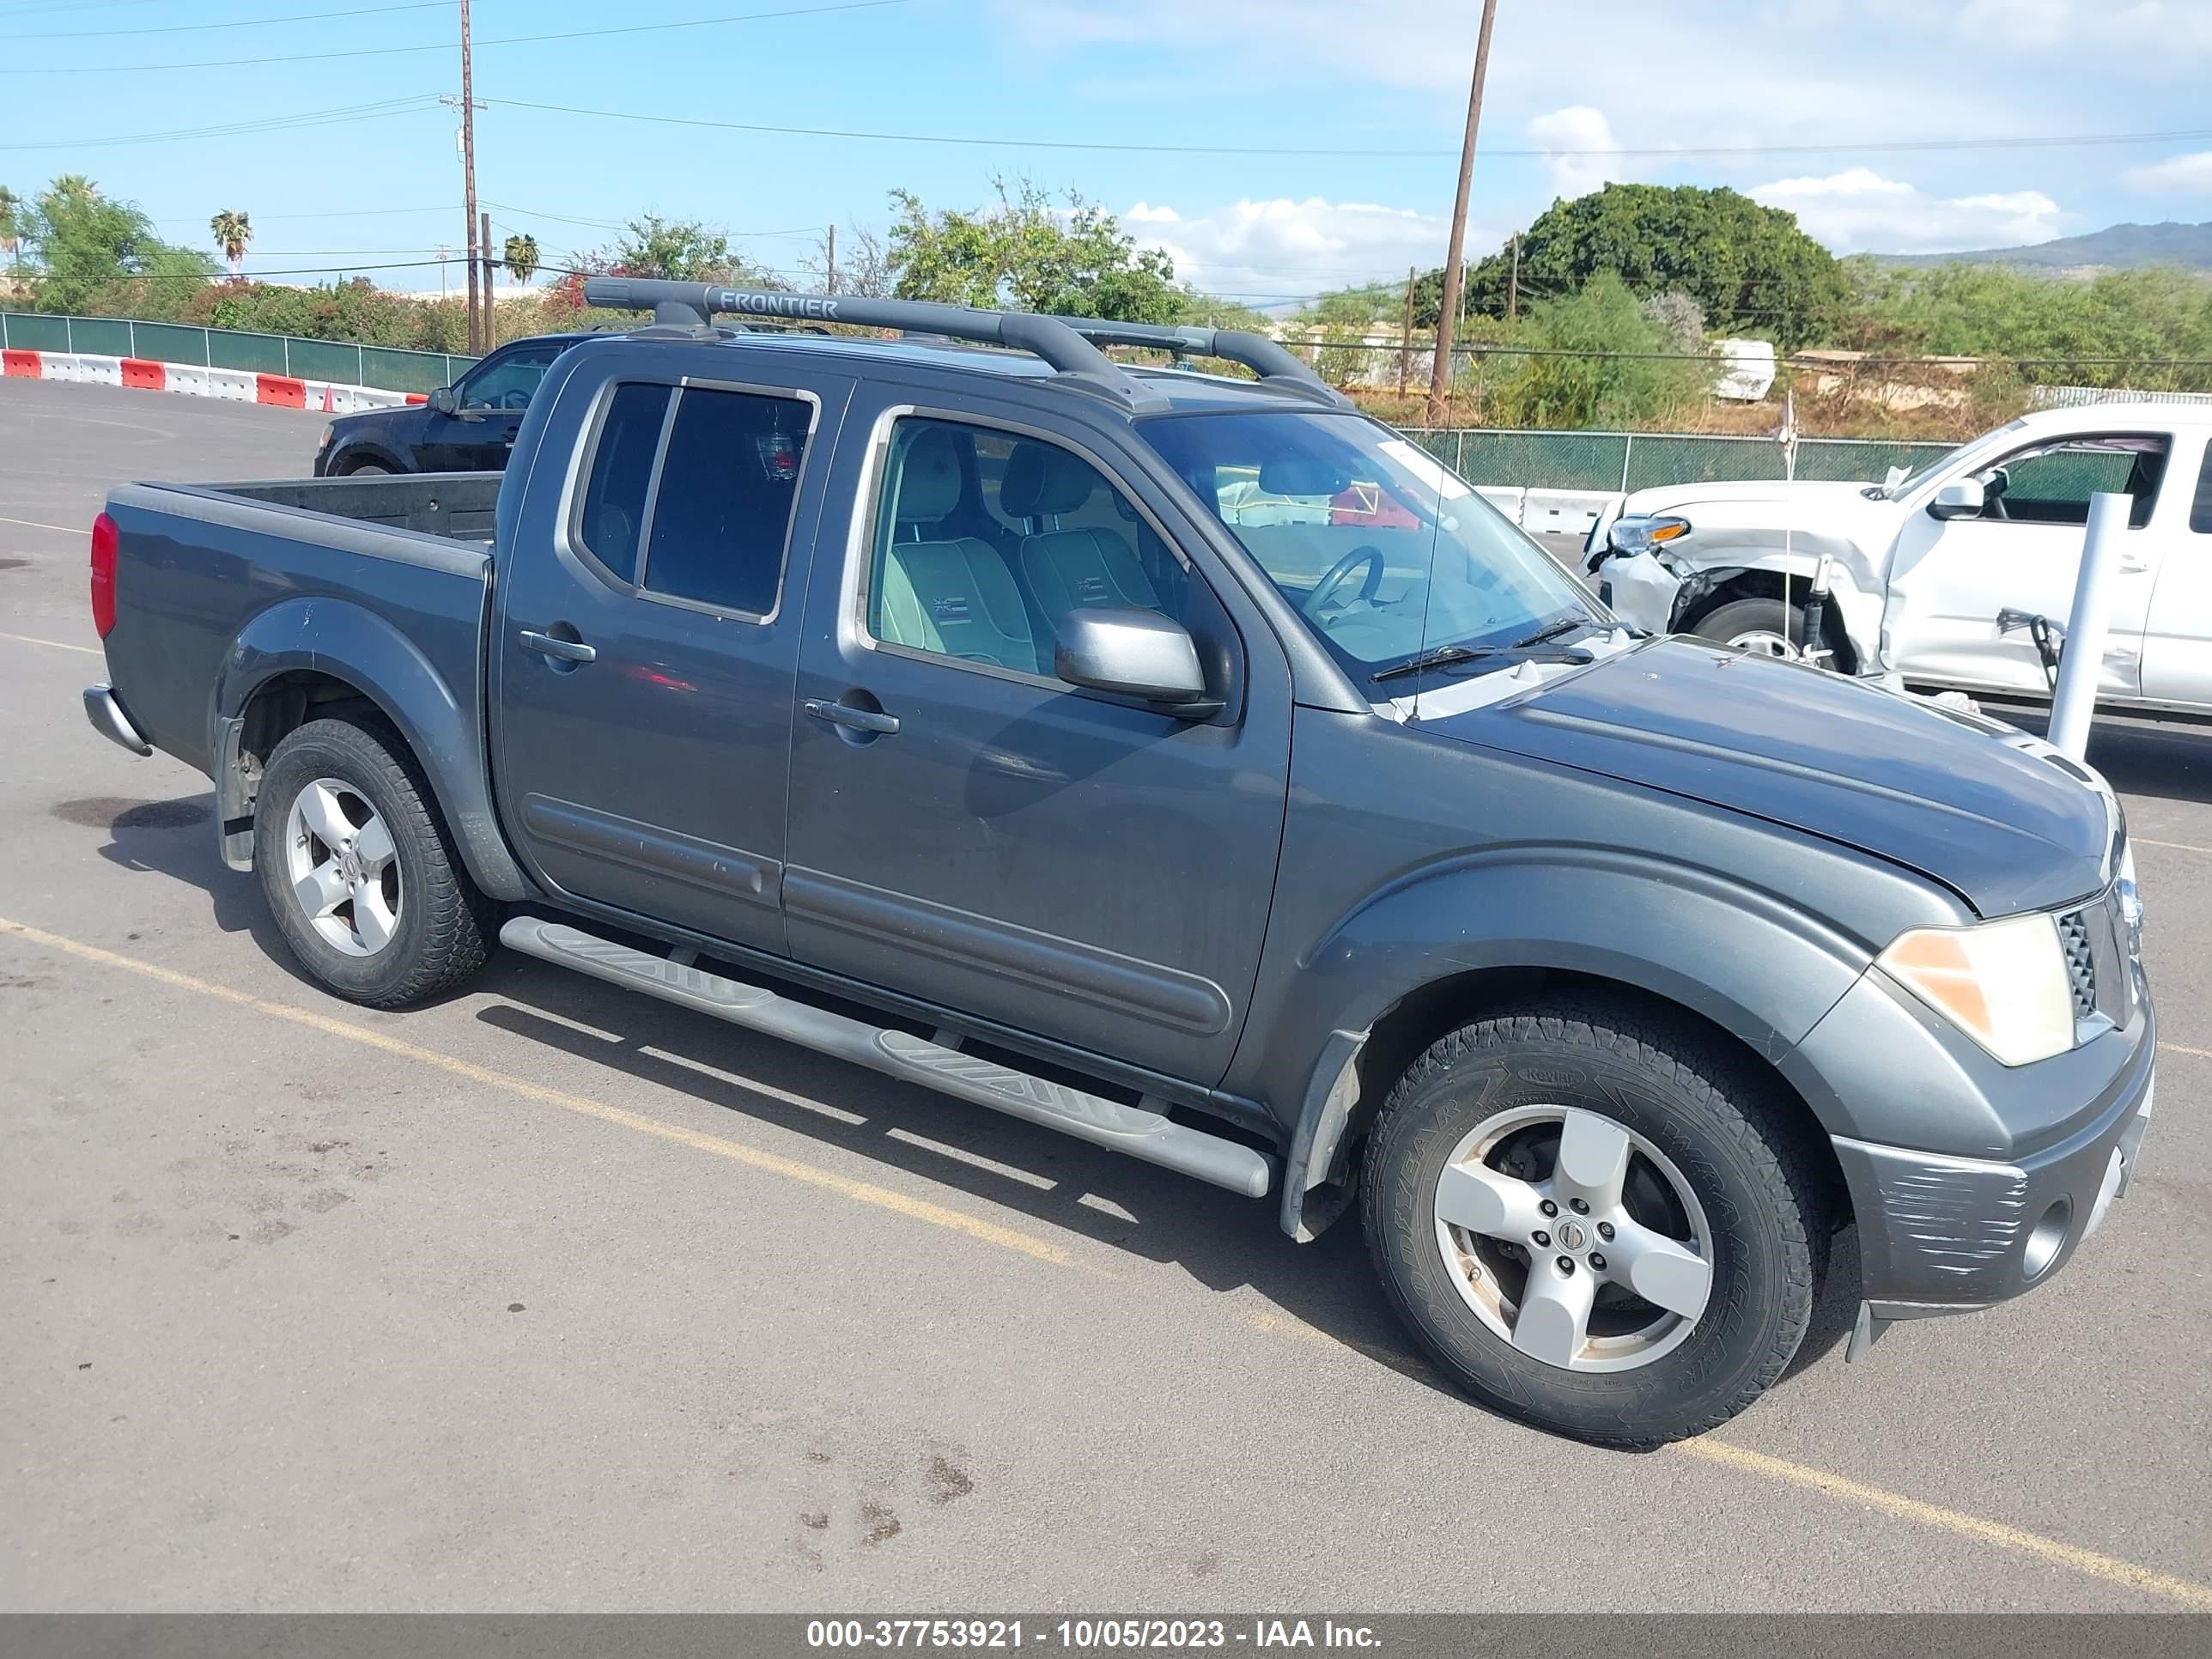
x=1946 y=579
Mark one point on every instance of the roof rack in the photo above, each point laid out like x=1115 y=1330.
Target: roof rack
x=1069 y=344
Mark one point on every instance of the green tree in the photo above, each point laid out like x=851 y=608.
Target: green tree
x=89 y=249
x=1750 y=268
x=677 y=250
x=232 y=231
x=12 y=214
x=520 y=257
x=1029 y=253
x=1596 y=362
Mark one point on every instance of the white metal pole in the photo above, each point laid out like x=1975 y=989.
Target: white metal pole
x=2080 y=665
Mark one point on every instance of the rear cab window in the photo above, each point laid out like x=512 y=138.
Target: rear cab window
x=691 y=491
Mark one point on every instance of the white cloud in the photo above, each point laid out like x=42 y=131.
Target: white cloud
x=1582 y=155
x=1276 y=250
x=2176 y=175
x=1858 y=210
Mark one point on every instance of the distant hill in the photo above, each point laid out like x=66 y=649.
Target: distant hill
x=2116 y=247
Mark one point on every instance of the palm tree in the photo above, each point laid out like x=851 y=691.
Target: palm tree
x=75 y=186
x=521 y=256
x=11 y=223
x=232 y=231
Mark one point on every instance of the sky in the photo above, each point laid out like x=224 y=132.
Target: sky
x=1275 y=148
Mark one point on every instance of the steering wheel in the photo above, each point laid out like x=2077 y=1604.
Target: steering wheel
x=1341 y=572
x=517 y=398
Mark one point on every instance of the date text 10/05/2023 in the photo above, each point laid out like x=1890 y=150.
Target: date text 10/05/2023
x=1084 y=1635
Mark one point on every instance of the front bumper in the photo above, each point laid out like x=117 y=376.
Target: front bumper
x=1941 y=1233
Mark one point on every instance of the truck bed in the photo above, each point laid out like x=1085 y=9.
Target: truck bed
x=214 y=580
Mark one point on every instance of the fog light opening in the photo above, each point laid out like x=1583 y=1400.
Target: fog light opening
x=2049 y=1238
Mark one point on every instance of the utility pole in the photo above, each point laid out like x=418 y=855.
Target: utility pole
x=1447 y=311
x=468 y=177
x=1513 y=283
x=484 y=240
x=1406 y=338
x=829 y=261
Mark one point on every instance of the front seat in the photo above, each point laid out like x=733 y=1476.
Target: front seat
x=1068 y=570
x=954 y=595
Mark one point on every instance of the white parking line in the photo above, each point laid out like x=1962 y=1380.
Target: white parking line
x=57 y=645
x=34 y=524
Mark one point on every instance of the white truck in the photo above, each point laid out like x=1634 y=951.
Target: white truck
x=1932 y=576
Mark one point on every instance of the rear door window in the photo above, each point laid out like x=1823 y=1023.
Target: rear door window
x=729 y=482
x=2200 y=511
x=611 y=522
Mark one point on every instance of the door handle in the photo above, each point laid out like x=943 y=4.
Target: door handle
x=860 y=720
x=552 y=645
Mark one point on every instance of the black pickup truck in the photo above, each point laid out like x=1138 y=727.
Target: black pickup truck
x=1190 y=764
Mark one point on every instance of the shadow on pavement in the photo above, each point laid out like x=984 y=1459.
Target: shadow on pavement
x=1225 y=1243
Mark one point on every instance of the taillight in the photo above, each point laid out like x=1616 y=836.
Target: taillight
x=104 y=540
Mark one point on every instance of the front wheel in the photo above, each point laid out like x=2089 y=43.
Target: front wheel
x=1763 y=627
x=358 y=871
x=1590 y=1214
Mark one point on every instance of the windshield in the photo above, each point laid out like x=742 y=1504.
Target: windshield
x=1387 y=556
x=1905 y=486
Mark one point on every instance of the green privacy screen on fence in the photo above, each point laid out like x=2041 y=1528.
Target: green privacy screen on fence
x=1643 y=460
x=222 y=348
x=1532 y=460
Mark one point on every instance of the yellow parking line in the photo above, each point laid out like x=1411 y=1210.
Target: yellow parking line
x=862 y=1192
x=2111 y=1568
x=25 y=639
x=2183 y=1591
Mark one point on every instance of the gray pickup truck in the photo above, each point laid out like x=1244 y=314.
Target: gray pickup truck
x=1187 y=763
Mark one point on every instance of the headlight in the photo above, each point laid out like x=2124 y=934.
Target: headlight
x=324 y=442
x=2003 y=983
x=1642 y=535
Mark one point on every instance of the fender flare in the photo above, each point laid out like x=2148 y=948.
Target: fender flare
x=349 y=642
x=366 y=448
x=1760 y=968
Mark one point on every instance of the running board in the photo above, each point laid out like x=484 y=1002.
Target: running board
x=1141 y=1133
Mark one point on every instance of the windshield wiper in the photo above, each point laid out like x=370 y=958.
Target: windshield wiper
x=1445 y=655
x=1442 y=657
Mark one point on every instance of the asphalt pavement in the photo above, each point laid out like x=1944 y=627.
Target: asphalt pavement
x=549 y=1298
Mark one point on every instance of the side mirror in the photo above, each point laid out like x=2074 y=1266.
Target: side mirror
x=1962 y=498
x=1135 y=653
x=442 y=401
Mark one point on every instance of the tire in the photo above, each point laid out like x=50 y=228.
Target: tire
x=368 y=470
x=1766 y=626
x=1751 y=1215
x=408 y=924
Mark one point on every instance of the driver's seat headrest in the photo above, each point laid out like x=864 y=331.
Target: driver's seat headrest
x=929 y=486
x=1041 y=480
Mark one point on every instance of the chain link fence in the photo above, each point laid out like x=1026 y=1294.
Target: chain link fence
x=384 y=366
x=1611 y=461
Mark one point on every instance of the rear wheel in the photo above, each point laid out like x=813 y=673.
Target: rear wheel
x=368 y=470
x=1586 y=1212
x=358 y=871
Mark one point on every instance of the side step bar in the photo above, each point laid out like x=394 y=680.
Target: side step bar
x=1144 y=1134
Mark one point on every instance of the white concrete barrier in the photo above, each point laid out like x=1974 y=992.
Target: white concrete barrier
x=1562 y=512
x=237 y=385
x=1510 y=500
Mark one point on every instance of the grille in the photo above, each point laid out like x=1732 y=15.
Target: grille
x=2081 y=962
x=2098 y=970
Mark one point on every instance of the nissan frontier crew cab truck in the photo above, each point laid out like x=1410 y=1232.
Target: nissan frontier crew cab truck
x=1188 y=764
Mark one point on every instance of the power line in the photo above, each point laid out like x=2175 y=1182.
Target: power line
x=1840 y=147
x=447 y=46
x=236 y=23
x=270 y=124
